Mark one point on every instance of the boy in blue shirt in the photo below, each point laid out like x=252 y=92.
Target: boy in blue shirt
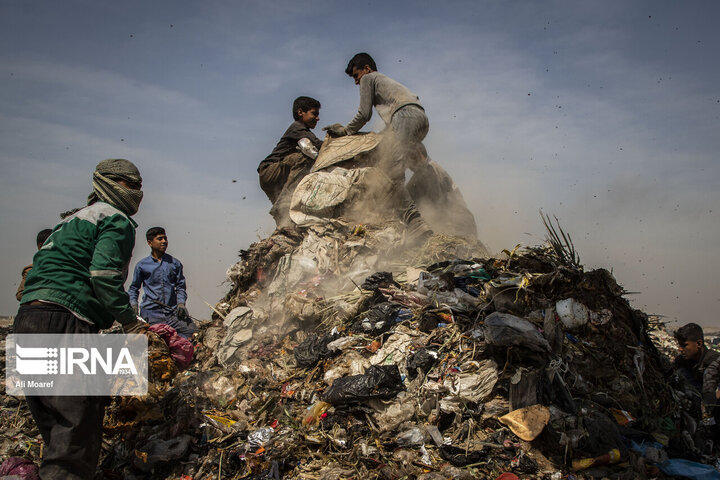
x=161 y=277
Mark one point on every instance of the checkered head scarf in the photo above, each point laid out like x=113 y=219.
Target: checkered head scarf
x=106 y=189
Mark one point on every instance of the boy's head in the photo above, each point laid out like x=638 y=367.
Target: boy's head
x=42 y=236
x=359 y=65
x=691 y=341
x=306 y=110
x=156 y=239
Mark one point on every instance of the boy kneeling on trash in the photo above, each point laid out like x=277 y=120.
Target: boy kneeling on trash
x=283 y=169
x=700 y=366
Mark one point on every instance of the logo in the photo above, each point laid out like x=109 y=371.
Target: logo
x=76 y=364
x=36 y=361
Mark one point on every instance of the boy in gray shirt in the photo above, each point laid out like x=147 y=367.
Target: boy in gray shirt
x=402 y=146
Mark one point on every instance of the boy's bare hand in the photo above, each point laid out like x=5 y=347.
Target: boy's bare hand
x=335 y=130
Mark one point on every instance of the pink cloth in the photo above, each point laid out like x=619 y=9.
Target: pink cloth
x=181 y=350
x=21 y=467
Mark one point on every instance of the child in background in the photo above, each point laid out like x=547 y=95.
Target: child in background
x=161 y=277
x=40 y=239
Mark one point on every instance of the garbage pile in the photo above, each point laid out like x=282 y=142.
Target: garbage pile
x=20 y=442
x=338 y=354
x=333 y=356
x=344 y=351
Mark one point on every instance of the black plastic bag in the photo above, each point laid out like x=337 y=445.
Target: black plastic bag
x=379 y=319
x=377 y=280
x=160 y=452
x=423 y=359
x=313 y=349
x=378 y=381
x=459 y=457
x=428 y=321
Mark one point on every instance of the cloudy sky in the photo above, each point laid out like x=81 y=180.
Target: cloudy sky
x=604 y=113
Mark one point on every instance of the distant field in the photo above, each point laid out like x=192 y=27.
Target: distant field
x=5 y=321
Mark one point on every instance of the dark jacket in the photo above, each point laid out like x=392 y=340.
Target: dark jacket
x=288 y=143
x=702 y=374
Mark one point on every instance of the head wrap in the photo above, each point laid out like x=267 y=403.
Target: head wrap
x=107 y=189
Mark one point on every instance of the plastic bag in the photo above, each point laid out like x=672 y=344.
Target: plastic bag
x=410 y=438
x=313 y=349
x=260 y=437
x=401 y=410
x=424 y=359
x=378 y=381
x=379 y=319
x=158 y=452
x=473 y=387
x=687 y=469
x=506 y=330
x=461 y=457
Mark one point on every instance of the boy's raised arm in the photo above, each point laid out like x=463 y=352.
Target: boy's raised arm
x=364 y=112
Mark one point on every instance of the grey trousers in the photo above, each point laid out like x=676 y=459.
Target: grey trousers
x=400 y=149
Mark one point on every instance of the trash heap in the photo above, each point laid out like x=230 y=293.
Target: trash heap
x=342 y=350
x=337 y=355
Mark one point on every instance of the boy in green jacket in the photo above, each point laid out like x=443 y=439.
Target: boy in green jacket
x=76 y=286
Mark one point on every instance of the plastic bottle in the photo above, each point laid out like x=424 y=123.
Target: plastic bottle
x=613 y=456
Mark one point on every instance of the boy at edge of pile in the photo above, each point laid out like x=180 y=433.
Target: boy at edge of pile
x=164 y=291
x=700 y=366
x=283 y=169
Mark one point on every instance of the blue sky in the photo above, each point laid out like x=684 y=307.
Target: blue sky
x=606 y=114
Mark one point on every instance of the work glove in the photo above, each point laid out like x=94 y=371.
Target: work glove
x=136 y=309
x=335 y=130
x=182 y=312
x=136 y=326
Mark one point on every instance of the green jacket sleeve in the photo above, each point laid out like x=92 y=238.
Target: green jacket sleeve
x=108 y=268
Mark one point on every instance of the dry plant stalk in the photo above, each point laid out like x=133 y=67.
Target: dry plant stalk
x=562 y=244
